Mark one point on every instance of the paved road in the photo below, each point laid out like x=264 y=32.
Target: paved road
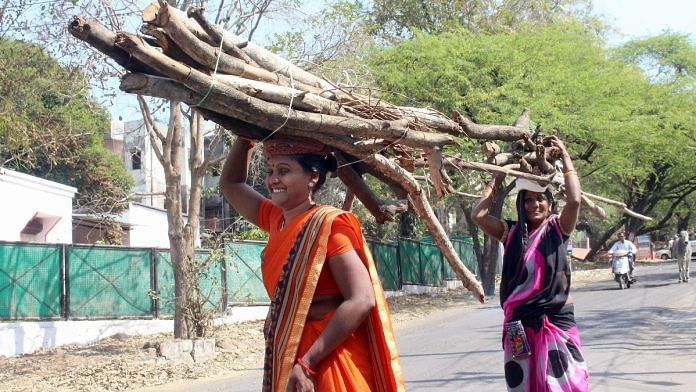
x=640 y=339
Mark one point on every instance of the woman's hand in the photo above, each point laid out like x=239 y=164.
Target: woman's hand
x=556 y=142
x=569 y=216
x=299 y=380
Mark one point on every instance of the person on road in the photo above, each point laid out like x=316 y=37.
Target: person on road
x=328 y=327
x=627 y=249
x=541 y=342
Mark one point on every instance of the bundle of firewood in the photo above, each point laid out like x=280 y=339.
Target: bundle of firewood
x=254 y=93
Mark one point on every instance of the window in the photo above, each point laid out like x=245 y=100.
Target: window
x=136 y=160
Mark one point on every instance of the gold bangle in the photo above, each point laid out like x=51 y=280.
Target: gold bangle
x=487 y=192
x=569 y=172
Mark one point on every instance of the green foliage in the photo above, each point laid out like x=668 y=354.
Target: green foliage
x=398 y=19
x=667 y=58
x=629 y=136
x=49 y=127
x=254 y=234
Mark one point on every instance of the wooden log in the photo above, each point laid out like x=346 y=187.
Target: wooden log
x=437 y=174
x=169 y=47
x=507 y=158
x=92 y=32
x=357 y=186
x=418 y=199
x=490 y=132
x=485 y=167
x=541 y=160
x=217 y=35
x=592 y=207
x=348 y=201
x=301 y=100
x=619 y=204
x=205 y=54
x=271 y=116
x=424 y=210
x=159 y=12
x=490 y=150
x=432 y=119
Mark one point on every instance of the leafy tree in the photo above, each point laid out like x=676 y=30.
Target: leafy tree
x=668 y=191
x=624 y=131
x=51 y=128
x=399 y=19
x=45 y=23
x=668 y=58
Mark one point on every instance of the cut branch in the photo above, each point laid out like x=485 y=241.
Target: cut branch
x=507 y=133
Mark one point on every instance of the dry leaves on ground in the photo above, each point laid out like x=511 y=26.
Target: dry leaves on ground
x=124 y=362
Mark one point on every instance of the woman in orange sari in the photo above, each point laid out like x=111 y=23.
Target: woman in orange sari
x=328 y=327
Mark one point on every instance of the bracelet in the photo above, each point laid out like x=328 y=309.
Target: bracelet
x=306 y=367
x=569 y=172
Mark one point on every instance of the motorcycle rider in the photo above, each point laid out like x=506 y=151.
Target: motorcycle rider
x=624 y=245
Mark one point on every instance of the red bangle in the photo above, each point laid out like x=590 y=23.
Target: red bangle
x=306 y=367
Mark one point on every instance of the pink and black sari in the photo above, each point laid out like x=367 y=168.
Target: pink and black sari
x=533 y=291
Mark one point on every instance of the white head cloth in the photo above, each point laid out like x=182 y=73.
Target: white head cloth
x=529 y=185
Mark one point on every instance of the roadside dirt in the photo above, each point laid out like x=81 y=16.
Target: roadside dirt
x=124 y=362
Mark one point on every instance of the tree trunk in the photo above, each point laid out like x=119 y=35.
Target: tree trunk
x=474 y=234
x=490 y=261
x=491 y=250
x=180 y=251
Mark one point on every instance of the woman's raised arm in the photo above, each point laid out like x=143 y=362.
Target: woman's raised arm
x=490 y=225
x=243 y=198
x=571 y=210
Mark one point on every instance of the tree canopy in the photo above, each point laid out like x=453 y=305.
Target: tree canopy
x=628 y=134
x=399 y=19
x=49 y=127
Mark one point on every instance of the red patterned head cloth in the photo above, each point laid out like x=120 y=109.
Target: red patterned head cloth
x=293 y=145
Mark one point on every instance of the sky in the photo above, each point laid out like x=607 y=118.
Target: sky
x=632 y=19
x=642 y=18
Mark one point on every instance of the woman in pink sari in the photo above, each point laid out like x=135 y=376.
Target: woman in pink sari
x=541 y=343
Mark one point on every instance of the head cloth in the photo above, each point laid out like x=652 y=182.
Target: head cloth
x=292 y=145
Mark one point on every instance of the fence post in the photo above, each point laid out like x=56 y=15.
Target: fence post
x=154 y=298
x=400 y=271
x=420 y=264
x=442 y=266
x=223 y=276
x=65 y=270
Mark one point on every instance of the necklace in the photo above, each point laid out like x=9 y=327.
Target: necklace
x=282 y=222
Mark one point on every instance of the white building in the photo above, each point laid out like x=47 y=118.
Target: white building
x=131 y=142
x=148 y=226
x=34 y=209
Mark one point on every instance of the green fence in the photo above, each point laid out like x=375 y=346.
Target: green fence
x=210 y=278
x=244 y=283
x=386 y=256
x=30 y=281
x=106 y=282
x=77 y=282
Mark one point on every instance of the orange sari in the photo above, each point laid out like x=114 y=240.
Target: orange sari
x=367 y=359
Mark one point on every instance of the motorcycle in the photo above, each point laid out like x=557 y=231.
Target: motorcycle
x=620 y=267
